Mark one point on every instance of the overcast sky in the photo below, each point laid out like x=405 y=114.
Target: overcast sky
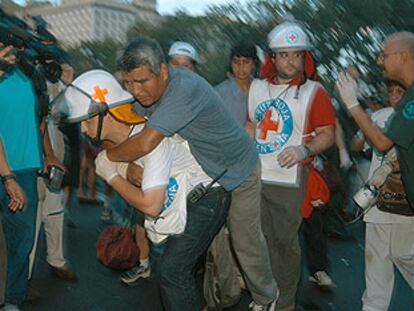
x=195 y=7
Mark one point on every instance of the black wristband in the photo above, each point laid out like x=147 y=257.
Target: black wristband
x=7 y=177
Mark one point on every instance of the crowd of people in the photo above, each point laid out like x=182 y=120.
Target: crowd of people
x=231 y=170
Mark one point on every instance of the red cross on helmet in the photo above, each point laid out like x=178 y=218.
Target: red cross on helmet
x=288 y=35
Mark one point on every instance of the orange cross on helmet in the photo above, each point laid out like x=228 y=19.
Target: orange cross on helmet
x=100 y=94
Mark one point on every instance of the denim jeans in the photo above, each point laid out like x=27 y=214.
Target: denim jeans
x=173 y=263
x=19 y=230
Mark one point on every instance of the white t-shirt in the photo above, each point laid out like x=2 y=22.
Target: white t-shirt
x=374 y=215
x=172 y=166
x=171 y=156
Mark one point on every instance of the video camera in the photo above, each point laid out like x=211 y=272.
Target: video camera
x=34 y=45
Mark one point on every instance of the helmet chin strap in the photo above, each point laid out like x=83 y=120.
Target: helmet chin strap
x=97 y=141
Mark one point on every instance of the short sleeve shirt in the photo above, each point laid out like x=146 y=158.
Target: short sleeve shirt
x=191 y=108
x=19 y=125
x=322 y=112
x=401 y=131
x=156 y=164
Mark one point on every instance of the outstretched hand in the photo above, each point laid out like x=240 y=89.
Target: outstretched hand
x=348 y=90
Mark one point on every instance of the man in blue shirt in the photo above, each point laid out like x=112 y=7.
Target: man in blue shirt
x=178 y=101
x=234 y=90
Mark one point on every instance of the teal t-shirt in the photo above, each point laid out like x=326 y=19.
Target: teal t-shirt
x=401 y=131
x=19 y=125
x=191 y=108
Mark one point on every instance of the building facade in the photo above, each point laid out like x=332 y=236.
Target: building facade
x=76 y=21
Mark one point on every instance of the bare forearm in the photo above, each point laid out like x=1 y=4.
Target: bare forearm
x=357 y=144
x=47 y=145
x=250 y=128
x=339 y=136
x=128 y=151
x=4 y=166
x=136 y=146
x=372 y=132
x=149 y=202
x=324 y=139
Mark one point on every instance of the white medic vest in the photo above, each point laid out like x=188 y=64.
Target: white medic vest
x=279 y=113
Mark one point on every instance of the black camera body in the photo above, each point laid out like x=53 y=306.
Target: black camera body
x=34 y=46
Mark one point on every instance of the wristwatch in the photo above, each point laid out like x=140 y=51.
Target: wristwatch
x=7 y=177
x=307 y=150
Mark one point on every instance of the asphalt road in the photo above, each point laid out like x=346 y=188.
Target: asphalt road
x=99 y=289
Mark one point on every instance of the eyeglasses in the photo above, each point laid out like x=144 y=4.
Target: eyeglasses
x=382 y=56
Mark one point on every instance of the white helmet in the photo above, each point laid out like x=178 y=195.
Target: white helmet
x=93 y=92
x=180 y=48
x=288 y=35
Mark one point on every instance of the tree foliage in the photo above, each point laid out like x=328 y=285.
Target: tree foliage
x=343 y=32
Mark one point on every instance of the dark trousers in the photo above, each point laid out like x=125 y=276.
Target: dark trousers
x=315 y=241
x=173 y=263
x=19 y=231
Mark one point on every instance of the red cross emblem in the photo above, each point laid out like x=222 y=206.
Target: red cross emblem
x=292 y=37
x=100 y=94
x=267 y=124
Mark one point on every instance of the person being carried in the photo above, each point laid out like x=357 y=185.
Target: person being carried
x=98 y=101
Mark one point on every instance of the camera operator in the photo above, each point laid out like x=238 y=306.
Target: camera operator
x=21 y=129
x=50 y=211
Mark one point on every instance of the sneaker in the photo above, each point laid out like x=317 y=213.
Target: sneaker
x=10 y=307
x=270 y=307
x=321 y=278
x=134 y=274
x=64 y=273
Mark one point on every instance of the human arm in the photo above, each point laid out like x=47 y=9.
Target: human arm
x=358 y=142
x=325 y=137
x=131 y=172
x=149 y=201
x=155 y=176
x=67 y=73
x=15 y=193
x=250 y=128
x=49 y=155
x=6 y=57
x=347 y=88
x=136 y=146
x=321 y=121
x=344 y=158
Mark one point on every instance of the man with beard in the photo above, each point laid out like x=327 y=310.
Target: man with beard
x=294 y=120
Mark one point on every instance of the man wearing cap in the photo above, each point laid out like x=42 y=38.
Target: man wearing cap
x=179 y=101
x=184 y=55
x=294 y=120
x=389 y=243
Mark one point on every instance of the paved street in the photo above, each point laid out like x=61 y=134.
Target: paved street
x=98 y=288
